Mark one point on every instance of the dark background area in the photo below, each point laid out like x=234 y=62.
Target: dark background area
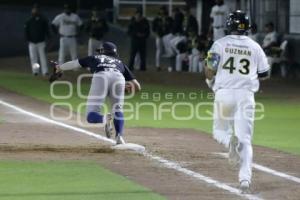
x=82 y=4
x=14 y=14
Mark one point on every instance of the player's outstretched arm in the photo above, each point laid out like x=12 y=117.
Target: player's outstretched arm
x=57 y=69
x=71 y=65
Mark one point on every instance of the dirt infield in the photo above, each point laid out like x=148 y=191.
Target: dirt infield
x=26 y=138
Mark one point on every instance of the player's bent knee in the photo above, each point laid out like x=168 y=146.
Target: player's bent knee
x=94 y=117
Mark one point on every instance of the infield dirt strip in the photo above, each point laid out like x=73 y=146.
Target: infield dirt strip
x=26 y=138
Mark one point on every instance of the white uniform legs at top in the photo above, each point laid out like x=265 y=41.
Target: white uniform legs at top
x=167 y=45
x=179 y=59
x=67 y=44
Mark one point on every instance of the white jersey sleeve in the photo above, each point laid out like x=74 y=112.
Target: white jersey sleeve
x=57 y=20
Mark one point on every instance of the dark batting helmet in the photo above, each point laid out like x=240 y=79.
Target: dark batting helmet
x=109 y=49
x=238 y=22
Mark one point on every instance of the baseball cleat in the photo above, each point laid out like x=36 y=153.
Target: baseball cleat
x=233 y=155
x=108 y=126
x=245 y=186
x=119 y=140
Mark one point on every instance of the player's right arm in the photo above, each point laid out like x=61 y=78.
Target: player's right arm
x=212 y=61
x=76 y=64
x=71 y=65
x=132 y=85
x=263 y=67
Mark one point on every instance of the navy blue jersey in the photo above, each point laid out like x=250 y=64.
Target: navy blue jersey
x=98 y=63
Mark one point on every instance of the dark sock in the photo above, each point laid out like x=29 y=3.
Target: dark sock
x=94 y=117
x=119 y=123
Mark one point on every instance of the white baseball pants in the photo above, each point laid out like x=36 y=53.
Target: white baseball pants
x=159 y=49
x=37 y=53
x=234 y=114
x=167 y=45
x=195 y=61
x=67 y=44
x=179 y=59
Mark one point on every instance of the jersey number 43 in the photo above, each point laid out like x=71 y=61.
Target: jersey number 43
x=243 y=68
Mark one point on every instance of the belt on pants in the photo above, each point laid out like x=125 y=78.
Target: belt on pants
x=218 y=27
x=108 y=69
x=68 y=36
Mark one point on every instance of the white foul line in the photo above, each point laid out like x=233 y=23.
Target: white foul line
x=269 y=170
x=164 y=162
x=276 y=173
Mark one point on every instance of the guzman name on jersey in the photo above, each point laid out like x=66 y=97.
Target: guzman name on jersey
x=238 y=51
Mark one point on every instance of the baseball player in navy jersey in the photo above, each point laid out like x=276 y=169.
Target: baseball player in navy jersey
x=109 y=77
x=235 y=63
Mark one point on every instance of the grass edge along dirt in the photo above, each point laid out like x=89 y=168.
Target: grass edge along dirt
x=277 y=130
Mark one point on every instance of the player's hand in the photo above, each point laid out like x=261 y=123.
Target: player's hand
x=57 y=73
x=129 y=87
x=132 y=86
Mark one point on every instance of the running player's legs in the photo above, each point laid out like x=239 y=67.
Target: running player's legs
x=116 y=94
x=243 y=126
x=224 y=108
x=96 y=98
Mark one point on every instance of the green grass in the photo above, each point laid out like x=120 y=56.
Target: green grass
x=279 y=128
x=52 y=180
